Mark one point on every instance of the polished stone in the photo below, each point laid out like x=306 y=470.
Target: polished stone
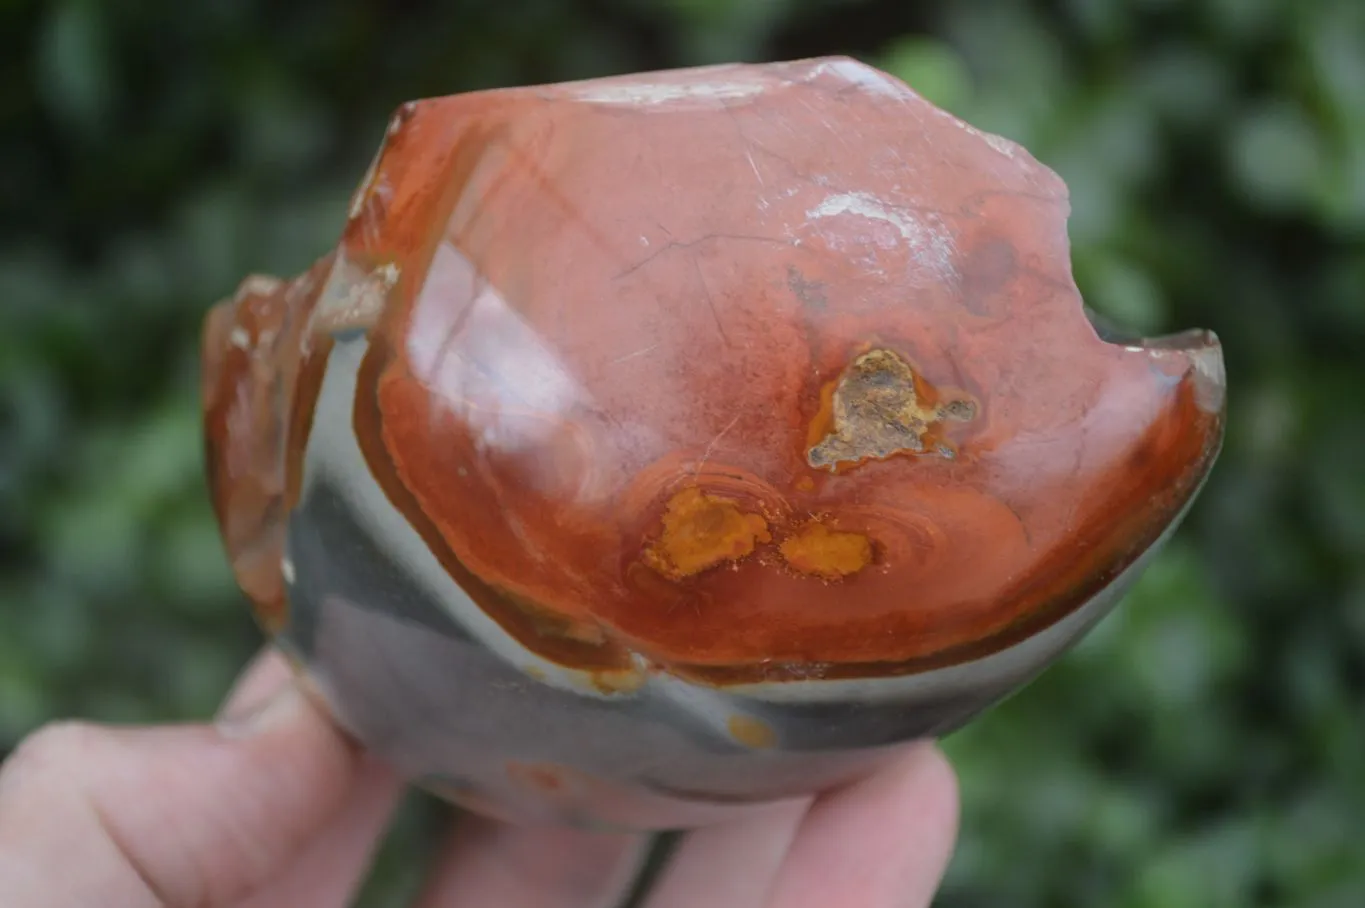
x=745 y=418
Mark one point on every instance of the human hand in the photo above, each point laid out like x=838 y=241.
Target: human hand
x=271 y=806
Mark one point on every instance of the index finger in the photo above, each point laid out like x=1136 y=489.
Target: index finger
x=882 y=842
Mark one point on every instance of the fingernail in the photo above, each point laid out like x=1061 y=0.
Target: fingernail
x=262 y=715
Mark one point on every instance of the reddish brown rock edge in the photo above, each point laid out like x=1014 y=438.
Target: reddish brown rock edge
x=262 y=371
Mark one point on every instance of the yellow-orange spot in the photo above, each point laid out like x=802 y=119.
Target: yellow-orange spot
x=582 y=632
x=751 y=732
x=617 y=681
x=805 y=484
x=534 y=673
x=701 y=531
x=827 y=553
x=822 y=423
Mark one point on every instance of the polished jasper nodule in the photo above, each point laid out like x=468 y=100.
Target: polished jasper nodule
x=656 y=444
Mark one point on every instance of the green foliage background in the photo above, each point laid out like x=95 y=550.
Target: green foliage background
x=1204 y=747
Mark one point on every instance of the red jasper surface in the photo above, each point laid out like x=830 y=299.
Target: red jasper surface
x=760 y=373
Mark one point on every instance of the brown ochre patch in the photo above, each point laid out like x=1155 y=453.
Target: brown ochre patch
x=879 y=407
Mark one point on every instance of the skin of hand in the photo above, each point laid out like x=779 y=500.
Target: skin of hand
x=272 y=806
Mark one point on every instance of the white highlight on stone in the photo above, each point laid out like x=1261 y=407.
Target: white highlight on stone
x=353 y=297
x=866 y=77
x=930 y=244
x=1211 y=381
x=362 y=193
x=646 y=94
x=257 y=285
x=484 y=359
x=400 y=118
x=1000 y=143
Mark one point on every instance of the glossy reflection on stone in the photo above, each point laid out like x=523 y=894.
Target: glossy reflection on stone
x=751 y=384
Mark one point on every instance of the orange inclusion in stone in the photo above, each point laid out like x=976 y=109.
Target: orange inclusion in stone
x=751 y=732
x=827 y=553
x=701 y=531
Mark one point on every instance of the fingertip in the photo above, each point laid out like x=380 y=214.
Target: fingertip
x=264 y=676
x=333 y=865
x=730 y=864
x=885 y=840
x=935 y=778
x=270 y=693
x=488 y=862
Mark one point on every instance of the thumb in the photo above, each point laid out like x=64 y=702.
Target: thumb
x=177 y=815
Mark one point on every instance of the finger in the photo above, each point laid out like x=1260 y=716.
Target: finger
x=179 y=815
x=332 y=867
x=730 y=865
x=882 y=842
x=264 y=676
x=486 y=862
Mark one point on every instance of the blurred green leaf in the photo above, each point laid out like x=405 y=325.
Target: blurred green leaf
x=1278 y=155
x=931 y=68
x=77 y=75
